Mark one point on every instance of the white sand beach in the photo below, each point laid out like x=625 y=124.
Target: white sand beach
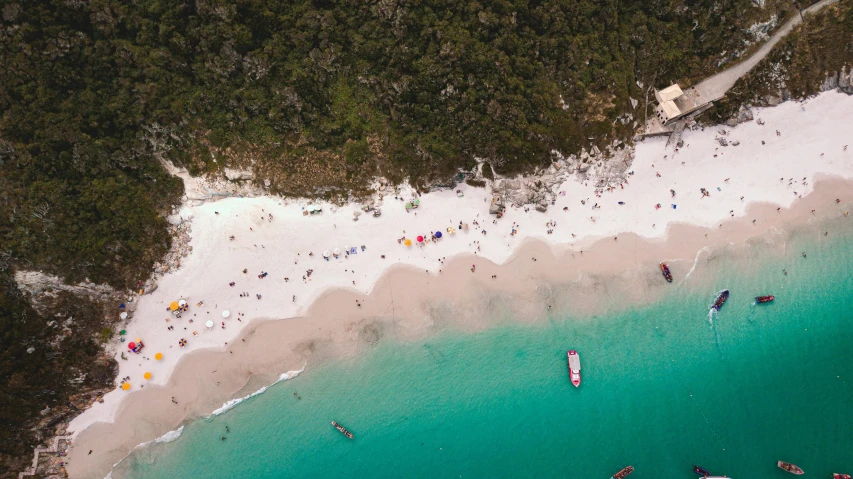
x=273 y=236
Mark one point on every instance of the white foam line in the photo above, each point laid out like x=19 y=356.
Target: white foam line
x=229 y=405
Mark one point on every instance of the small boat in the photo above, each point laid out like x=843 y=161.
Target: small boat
x=721 y=300
x=343 y=430
x=574 y=367
x=701 y=471
x=664 y=268
x=623 y=473
x=786 y=466
x=764 y=299
x=836 y=475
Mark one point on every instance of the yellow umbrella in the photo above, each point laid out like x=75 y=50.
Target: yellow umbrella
x=147 y=375
x=408 y=242
x=174 y=306
x=125 y=386
x=158 y=356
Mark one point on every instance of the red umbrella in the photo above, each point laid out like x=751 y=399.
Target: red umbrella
x=131 y=345
x=420 y=239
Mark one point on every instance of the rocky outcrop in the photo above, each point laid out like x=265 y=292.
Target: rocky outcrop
x=540 y=189
x=38 y=284
x=841 y=81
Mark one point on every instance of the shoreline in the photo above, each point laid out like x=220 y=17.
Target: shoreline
x=424 y=304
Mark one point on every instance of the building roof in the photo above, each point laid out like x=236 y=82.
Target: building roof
x=669 y=93
x=669 y=109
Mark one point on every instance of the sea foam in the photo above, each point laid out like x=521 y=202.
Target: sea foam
x=231 y=404
x=170 y=436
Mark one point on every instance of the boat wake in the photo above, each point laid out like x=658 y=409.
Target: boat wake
x=696 y=261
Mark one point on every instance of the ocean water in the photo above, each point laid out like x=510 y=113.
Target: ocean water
x=664 y=386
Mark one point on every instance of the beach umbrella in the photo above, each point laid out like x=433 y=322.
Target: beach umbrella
x=408 y=206
x=416 y=201
x=182 y=303
x=336 y=251
x=147 y=375
x=182 y=342
x=420 y=239
x=209 y=324
x=310 y=208
x=174 y=306
x=123 y=315
x=226 y=313
x=121 y=306
x=158 y=356
x=408 y=242
x=451 y=230
x=131 y=345
x=122 y=332
x=326 y=254
x=125 y=386
x=438 y=234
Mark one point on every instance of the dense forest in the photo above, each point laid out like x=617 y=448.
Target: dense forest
x=96 y=94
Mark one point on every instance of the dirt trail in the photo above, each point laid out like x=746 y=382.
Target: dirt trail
x=713 y=88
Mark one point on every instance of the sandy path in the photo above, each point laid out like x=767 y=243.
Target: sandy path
x=714 y=87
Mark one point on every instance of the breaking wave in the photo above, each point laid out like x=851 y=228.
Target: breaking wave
x=231 y=404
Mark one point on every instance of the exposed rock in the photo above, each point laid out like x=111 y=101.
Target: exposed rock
x=496 y=206
x=236 y=175
x=38 y=283
x=772 y=100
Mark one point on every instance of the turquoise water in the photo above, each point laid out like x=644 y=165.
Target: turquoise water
x=663 y=388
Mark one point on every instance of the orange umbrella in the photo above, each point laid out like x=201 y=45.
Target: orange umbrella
x=125 y=386
x=408 y=242
x=174 y=305
x=158 y=356
x=147 y=375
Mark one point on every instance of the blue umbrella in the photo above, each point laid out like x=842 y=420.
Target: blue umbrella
x=438 y=234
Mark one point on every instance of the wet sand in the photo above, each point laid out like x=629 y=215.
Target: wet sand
x=406 y=304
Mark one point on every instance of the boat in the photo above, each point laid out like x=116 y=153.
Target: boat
x=574 y=367
x=701 y=471
x=836 y=475
x=343 y=430
x=721 y=300
x=623 y=473
x=787 y=466
x=664 y=268
x=764 y=299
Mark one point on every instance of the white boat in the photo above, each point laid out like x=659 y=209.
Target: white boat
x=574 y=367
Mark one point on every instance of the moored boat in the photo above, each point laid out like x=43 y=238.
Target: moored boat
x=343 y=430
x=764 y=299
x=623 y=473
x=836 y=475
x=787 y=466
x=574 y=367
x=701 y=471
x=721 y=300
x=664 y=268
